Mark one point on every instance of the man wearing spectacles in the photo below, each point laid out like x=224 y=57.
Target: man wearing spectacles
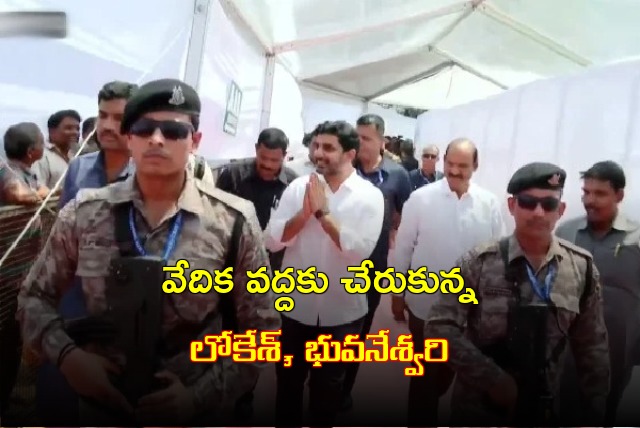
x=536 y=295
x=440 y=222
x=427 y=174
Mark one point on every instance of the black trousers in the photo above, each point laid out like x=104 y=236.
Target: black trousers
x=373 y=301
x=325 y=383
x=425 y=391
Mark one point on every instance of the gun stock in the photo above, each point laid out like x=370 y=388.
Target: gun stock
x=135 y=299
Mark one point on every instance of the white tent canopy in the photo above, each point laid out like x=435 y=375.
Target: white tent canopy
x=437 y=53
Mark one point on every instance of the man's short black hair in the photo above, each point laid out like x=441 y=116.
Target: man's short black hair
x=345 y=132
x=89 y=124
x=273 y=138
x=608 y=171
x=20 y=138
x=56 y=118
x=117 y=90
x=372 y=119
x=308 y=138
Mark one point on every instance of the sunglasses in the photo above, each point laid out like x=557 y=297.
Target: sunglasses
x=429 y=156
x=170 y=129
x=528 y=202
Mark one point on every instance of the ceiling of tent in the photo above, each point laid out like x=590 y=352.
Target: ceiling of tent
x=438 y=53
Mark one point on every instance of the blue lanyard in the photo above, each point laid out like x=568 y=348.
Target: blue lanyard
x=172 y=239
x=543 y=291
x=380 y=177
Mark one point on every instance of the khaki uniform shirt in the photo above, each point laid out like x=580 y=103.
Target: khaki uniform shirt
x=471 y=327
x=82 y=243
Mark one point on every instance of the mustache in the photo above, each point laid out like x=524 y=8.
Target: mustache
x=454 y=176
x=155 y=153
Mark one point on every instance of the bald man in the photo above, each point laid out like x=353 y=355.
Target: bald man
x=427 y=173
x=440 y=223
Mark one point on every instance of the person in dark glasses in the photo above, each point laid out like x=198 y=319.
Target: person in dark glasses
x=537 y=295
x=160 y=211
x=427 y=173
x=614 y=240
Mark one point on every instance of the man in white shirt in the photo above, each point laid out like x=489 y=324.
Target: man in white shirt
x=305 y=165
x=331 y=222
x=440 y=222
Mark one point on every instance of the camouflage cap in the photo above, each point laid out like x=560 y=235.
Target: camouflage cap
x=160 y=95
x=537 y=175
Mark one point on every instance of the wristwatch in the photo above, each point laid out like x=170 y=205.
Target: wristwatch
x=321 y=213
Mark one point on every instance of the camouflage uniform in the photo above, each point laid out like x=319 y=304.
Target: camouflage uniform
x=82 y=242
x=469 y=328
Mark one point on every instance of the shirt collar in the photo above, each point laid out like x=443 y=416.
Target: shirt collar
x=19 y=166
x=190 y=199
x=127 y=171
x=385 y=165
x=621 y=223
x=444 y=186
x=350 y=183
x=515 y=250
x=282 y=176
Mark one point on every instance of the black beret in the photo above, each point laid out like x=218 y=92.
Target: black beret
x=160 y=95
x=537 y=175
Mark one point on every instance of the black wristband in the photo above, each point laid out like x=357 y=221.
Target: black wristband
x=65 y=351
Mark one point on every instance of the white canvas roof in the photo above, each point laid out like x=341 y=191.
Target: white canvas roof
x=438 y=53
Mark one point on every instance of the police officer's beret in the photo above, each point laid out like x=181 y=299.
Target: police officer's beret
x=160 y=95
x=537 y=175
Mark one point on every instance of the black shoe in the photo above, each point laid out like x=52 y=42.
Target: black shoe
x=346 y=404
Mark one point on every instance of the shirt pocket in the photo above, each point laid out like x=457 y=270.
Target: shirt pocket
x=190 y=306
x=94 y=262
x=494 y=312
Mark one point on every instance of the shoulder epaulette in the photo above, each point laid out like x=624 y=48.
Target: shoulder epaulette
x=574 y=248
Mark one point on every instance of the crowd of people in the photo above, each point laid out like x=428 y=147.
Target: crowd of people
x=557 y=309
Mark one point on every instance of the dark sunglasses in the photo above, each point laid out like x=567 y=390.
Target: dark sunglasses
x=170 y=129
x=528 y=202
x=426 y=156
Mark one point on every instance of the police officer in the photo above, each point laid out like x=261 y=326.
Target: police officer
x=531 y=268
x=171 y=215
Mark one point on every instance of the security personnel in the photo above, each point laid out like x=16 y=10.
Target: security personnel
x=169 y=214
x=530 y=269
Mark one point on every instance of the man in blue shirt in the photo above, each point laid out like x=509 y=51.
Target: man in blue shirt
x=427 y=173
x=55 y=399
x=393 y=181
x=111 y=162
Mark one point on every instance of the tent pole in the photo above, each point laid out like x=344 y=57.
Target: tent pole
x=197 y=43
x=267 y=91
x=468 y=68
x=531 y=34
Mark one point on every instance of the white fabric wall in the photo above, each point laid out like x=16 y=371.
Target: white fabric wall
x=321 y=106
x=229 y=55
x=286 y=109
x=395 y=124
x=572 y=121
x=41 y=76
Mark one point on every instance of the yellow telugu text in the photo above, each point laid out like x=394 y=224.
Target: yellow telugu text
x=251 y=347
x=308 y=281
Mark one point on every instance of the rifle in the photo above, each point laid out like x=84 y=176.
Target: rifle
x=523 y=354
